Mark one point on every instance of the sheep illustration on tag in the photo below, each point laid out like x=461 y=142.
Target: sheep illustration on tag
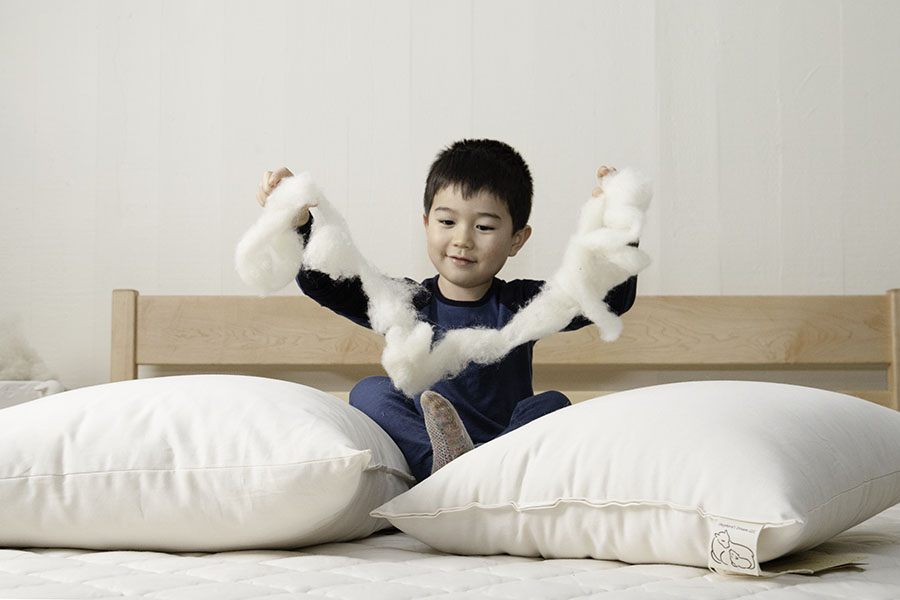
x=731 y=554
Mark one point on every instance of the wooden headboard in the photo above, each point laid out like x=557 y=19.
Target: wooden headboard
x=661 y=332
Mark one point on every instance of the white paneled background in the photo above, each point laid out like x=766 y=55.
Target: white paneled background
x=133 y=134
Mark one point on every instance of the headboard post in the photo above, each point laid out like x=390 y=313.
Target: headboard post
x=894 y=368
x=123 y=357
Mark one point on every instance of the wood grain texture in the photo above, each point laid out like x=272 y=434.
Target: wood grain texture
x=122 y=358
x=734 y=331
x=894 y=367
x=243 y=330
x=662 y=332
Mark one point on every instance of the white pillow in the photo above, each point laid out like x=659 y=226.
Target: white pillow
x=716 y=473
x=192 y=463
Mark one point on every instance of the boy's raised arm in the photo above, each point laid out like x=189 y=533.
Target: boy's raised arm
x=346 y=296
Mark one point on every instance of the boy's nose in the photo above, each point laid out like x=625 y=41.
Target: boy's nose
x=462 y=240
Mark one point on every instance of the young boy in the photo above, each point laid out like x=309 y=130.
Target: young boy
x=477 y=202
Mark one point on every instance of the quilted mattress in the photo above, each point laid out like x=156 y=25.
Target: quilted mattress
x=395 y=566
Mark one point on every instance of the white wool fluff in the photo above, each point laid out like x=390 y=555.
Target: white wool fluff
x=18 y=360
x=596 y=259
x=269 y=255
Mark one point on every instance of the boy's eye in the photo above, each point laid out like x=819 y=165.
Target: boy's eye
x=445 y=222
x=484 y=228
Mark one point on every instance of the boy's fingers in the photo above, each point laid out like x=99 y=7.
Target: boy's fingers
x=278 y=175
x=265 y=183
x=270 y=179
x=604 y=171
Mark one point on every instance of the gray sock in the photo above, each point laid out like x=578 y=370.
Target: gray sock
x=448 y=435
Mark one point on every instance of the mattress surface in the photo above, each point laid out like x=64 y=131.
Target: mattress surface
x=395 y=566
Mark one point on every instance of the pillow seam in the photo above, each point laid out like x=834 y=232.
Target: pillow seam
x=187 y=469
x=557 y=503
x=850 y=490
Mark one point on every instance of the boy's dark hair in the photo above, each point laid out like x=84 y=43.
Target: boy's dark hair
x=483 y=166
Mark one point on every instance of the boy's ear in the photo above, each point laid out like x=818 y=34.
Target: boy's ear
x=425 y=219
x=519 y=239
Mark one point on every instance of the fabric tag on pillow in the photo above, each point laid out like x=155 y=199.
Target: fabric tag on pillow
x=732 y=547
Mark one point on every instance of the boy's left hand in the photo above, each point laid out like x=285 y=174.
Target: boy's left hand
x=270 y=180
x=602 y=172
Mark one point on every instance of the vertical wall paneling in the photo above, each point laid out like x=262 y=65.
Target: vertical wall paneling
x=18 y=156
x=688 y=47
x=133 y=135
x=128 y=176
x=748 y=156
x=62 y=186
x=191 y=153
x=868 y=178
x=811 y=128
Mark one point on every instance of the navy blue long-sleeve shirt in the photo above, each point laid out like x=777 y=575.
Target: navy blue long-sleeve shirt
x=484 y=395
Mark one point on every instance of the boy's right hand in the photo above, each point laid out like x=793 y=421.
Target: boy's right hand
x=270 y=181
x=601 y=173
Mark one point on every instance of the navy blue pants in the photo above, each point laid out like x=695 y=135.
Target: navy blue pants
x=402 y=418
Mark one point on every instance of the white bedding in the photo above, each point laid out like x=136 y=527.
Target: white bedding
x=395 y=566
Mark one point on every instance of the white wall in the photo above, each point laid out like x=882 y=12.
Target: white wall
x=133 y=134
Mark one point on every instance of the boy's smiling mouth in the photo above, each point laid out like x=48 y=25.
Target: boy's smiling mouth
x=461 y=261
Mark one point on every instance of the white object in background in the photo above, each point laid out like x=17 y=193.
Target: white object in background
x=17 y=392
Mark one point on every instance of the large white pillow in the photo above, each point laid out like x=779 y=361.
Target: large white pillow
x=192 y=463
x=723 y=474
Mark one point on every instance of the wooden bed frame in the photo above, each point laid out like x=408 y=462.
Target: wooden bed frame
x=714 y=333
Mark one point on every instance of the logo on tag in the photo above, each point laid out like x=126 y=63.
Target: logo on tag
x=732 y=547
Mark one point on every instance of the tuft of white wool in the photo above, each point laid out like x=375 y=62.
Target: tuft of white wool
x=269 y=255
x=596 y=259
x=19 y=361
x=330 y=248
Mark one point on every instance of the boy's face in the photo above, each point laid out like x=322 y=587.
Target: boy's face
x=469 y=241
